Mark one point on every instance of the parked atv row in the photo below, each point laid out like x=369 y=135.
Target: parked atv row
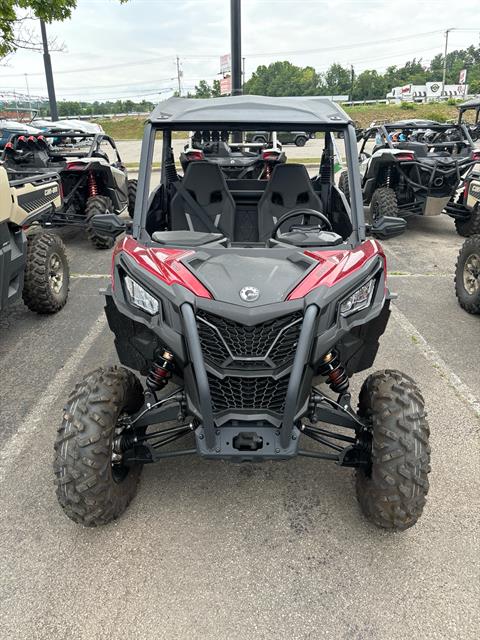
x=94 y=181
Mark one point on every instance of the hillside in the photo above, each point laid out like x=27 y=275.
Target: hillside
x=131 y=128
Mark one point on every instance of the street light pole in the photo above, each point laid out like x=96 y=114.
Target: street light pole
x=48 y=73
x=236 y=47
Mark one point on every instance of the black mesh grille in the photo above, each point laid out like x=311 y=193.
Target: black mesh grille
x=229 y=343
x=248 y=393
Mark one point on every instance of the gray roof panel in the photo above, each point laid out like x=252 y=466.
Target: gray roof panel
x=245 y=110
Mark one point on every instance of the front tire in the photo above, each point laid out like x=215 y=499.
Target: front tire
x=471 y=226
x=132 y=196
x=467 y=275
x=98 y=205
x=47 y=274
x=392 y=492
x=90 y=488
x=383 y=203
x=300 y=141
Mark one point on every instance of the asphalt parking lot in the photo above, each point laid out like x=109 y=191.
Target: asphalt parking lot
x=215 y=551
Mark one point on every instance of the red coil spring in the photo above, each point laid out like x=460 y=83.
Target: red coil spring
x=92 y=185
x=335 y=373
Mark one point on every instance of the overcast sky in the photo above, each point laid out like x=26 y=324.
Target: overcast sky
x=114 y=50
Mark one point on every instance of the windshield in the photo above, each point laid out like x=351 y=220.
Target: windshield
x=242 y=183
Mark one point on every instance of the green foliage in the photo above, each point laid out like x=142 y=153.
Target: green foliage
x=204 y=90
x=286 y=79
x=407 y=106
x=283 y=79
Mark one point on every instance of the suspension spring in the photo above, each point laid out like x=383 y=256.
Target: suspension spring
x=160 y=371
x=334 y=371
x=92 y=185
x=388 y=176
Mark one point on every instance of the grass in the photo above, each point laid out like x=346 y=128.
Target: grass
x=131 y=127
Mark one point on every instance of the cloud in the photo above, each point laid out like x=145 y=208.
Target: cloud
x=136 y=44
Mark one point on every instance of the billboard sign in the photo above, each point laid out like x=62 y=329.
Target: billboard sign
x=226 y=86
x=225 y=64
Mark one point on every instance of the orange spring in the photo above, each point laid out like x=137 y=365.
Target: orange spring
x=92 y=186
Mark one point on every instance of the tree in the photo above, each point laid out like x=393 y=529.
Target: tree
x=337 y=80
x=369 y=85
x=283 y=79
x=14 y=17
x=202 y=90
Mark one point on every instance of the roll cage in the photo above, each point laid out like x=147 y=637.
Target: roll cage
x=249 y=114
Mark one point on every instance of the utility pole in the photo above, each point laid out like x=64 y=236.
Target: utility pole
x=28 y=94
x=445 y=61
x=352 y=80
x=236 y=46
x=49 y=74
x=243 y=73
x=179 y=77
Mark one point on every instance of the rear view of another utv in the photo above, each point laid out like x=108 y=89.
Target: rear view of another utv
x=32 y=265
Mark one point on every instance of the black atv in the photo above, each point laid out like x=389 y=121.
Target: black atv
x=413 y=167
x=465 y=208
x=237 y=159
x=247 y=305
x=94 y=179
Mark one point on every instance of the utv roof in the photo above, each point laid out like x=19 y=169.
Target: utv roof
x=470 y=104
x=249 y=111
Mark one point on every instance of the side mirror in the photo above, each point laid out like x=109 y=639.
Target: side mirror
x=387 y=227
x=110 y=224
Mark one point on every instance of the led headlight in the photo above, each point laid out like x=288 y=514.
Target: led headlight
x=140 y=298
x=359 y=300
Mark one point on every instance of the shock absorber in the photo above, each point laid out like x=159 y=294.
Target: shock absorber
x=92 y=185
x=160 y=372
x=334 y=371
x=388 y=176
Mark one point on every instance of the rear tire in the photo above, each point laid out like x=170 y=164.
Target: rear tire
x=383 y=203
x=392 y=493
x=47 y=274
x=260 y=140
x=344 y=186
x=132 y=196
x=470 y=227
x=300 y=141
x=98 y=205
x=90 y=489
x=467 y=275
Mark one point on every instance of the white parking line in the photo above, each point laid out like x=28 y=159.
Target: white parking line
x=462 y=390
x=57 y=385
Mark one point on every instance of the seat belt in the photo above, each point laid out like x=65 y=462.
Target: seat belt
x=194 y=207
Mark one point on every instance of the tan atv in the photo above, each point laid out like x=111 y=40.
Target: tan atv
x=34 y=265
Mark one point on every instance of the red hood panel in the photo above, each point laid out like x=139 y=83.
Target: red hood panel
x=164 y=264
x=334 y=266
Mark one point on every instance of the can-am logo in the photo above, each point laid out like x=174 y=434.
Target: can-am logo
x=434 y=87
x=249 y=294
x=51 y=191
x=475 y=191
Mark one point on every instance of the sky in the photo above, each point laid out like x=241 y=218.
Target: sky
x=114 y=50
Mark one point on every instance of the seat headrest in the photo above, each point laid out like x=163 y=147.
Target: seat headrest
x=204 y=178
x=290 y=185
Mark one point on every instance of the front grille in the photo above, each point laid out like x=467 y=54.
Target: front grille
x=228 y=343
x=234 y=392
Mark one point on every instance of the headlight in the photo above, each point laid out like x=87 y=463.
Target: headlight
x=359 y=300
x=140 y=298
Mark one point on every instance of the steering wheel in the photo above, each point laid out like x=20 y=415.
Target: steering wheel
x=294 y=213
